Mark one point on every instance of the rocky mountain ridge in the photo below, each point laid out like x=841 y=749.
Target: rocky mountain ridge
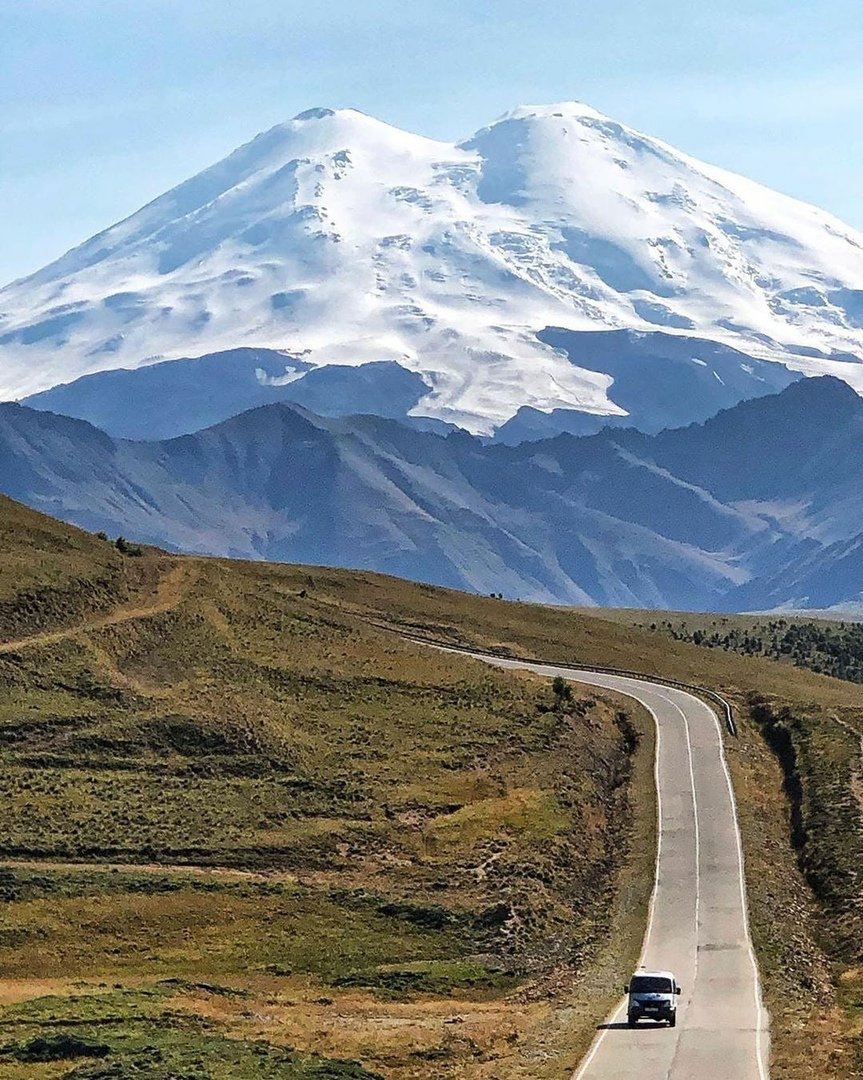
x=750 y=509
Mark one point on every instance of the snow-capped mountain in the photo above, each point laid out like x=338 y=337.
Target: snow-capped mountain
x=342 y=241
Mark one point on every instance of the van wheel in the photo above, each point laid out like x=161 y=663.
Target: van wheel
x=631 y=1019
x=672 y=1020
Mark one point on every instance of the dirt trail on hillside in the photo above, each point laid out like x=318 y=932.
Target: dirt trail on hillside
x=187 y=870
x=170 y=590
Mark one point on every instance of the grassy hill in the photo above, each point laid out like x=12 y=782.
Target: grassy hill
x=244 y=832
x=248 y=831
x=51 y=574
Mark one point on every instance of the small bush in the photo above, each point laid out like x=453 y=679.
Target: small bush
x=125 y=548
x=562 y=690
x=56 y=1048
x=430 y=917
x=438 y=978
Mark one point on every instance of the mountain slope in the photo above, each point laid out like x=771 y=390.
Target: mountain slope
x=661 y=380
x=792 y=458
x=682 y=519
x=823 y=580
x=178 y=397
x=282 y=484
x=342 y=240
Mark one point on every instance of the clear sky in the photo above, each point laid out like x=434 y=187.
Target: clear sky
x=104 y=104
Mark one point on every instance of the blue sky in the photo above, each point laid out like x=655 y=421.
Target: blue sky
x=106 y=103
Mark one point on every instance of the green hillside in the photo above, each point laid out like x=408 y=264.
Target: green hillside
x=224 y=796
x=827 y=646
x=246 y=830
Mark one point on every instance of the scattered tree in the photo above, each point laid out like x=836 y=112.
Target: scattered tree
x=125 y=548
x=829 y=648
x=562 y=691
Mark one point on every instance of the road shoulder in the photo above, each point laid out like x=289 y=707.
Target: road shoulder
x=558 y=1047
x=805 y=1021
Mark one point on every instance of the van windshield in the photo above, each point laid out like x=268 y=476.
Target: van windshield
x=650 y=984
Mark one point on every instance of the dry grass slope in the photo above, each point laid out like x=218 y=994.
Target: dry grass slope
x=246 y=833
x=412 y=858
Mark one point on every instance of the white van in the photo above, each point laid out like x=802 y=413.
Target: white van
x=652 y=996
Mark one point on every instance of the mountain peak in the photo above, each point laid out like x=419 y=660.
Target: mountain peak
x=562 y=110
x=343 y=240
x=315 y=114
x=779 y=434
x=815 y=403
x=825 y=392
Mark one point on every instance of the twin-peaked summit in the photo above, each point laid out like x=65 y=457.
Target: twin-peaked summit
x=342 y=240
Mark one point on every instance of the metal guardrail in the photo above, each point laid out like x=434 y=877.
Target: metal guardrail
x=701 y=691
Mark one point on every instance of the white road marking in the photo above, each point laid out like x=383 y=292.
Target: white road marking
x=696 y=830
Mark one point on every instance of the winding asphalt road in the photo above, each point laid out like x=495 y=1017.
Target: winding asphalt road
x=698 y=923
